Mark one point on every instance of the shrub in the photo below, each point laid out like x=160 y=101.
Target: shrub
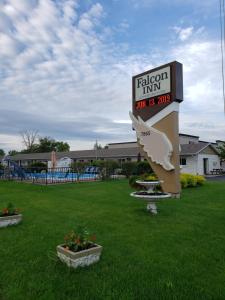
x=183 y=181
x=149 y=177
x=128 y=168
x=189 y=180
x=200 y=179
x=136 y=168
x=107 y=167
x=132 y=182
x=79 y=166
x=146 y=177
x=38 y=166
x=143 y=167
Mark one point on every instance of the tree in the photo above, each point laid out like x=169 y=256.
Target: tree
x=97 y=146
x=44 y=144
x=13 y=152
x=62 y=147
x=29 y=137
x=222 y=151
x=48 y=144
x=2 y=152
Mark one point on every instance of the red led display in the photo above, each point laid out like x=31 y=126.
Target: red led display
x=159 y=100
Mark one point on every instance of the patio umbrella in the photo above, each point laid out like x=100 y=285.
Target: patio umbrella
x=53 y=160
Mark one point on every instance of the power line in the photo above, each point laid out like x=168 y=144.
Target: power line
x=222 y=43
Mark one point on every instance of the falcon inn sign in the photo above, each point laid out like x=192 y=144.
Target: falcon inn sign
x=156 y=97
x=152 y=84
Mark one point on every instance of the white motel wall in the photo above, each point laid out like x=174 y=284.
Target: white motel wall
x=191 y=165
x=213 y=162
x=195 y=164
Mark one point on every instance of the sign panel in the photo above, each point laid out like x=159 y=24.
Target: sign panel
x=155 y=89
x=153 y=84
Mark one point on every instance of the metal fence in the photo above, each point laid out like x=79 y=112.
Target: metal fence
x=47 y=176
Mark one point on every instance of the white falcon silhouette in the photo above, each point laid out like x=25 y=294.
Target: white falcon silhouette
x=154 y=142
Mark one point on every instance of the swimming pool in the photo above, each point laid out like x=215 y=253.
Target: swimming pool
x=62 y=176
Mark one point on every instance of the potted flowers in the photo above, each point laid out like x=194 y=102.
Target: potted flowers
x=79 y=249
x=9 y=216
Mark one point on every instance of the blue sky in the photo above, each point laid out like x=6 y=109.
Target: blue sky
x=66 y=66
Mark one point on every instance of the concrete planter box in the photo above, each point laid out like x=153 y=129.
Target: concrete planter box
x=79 y=259
x=10 y=220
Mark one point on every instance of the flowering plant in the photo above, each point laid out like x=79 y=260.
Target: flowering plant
x=78 y=240
x=9 y=210
x=147 y=177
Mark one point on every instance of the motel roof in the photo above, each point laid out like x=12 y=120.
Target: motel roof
x=83 y=154
x=195 y=148
x=110 y=153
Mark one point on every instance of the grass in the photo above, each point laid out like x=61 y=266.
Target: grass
x=178 y=254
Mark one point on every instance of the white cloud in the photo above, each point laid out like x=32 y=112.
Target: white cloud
x=184 y=33
x=59 y=74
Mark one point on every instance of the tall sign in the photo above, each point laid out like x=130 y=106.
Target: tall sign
x=156 y=97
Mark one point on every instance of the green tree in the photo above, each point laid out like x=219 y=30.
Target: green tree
x=222 y=151
x=48 y=144
x=62 y=147
x=2 y=152
x=13 y=152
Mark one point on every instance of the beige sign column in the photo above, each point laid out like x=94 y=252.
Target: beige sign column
x=156 y=97
x=171 y=179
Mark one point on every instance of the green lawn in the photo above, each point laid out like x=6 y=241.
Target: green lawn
x=178 y=254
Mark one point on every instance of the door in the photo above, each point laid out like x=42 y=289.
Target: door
x=206 y=165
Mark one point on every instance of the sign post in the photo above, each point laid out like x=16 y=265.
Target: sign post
x=155 y=116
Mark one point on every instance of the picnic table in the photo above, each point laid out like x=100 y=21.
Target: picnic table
x=216 y=171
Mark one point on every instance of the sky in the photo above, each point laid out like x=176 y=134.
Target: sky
x=66 y=66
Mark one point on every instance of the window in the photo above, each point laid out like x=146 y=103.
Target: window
x=183 y=161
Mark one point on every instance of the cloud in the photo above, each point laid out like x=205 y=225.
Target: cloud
x=184 y=33
x=63 y=75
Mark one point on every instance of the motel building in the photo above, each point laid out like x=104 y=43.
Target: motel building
x=196 y=157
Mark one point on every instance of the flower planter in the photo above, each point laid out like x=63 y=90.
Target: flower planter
x=10 y=220
x=79 y=259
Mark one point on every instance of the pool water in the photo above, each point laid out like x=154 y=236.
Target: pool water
x=63 y=176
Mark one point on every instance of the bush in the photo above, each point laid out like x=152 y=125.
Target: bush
x=183 y=181
x=128 y=168
x=38 y=166
x=136 y=168
x=132 y=182
x=146 y=177
x=200 y=179
x=189 y=180
x=149 y=177
x=143 y=167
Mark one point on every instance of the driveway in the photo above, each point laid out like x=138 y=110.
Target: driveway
x=217 y=178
